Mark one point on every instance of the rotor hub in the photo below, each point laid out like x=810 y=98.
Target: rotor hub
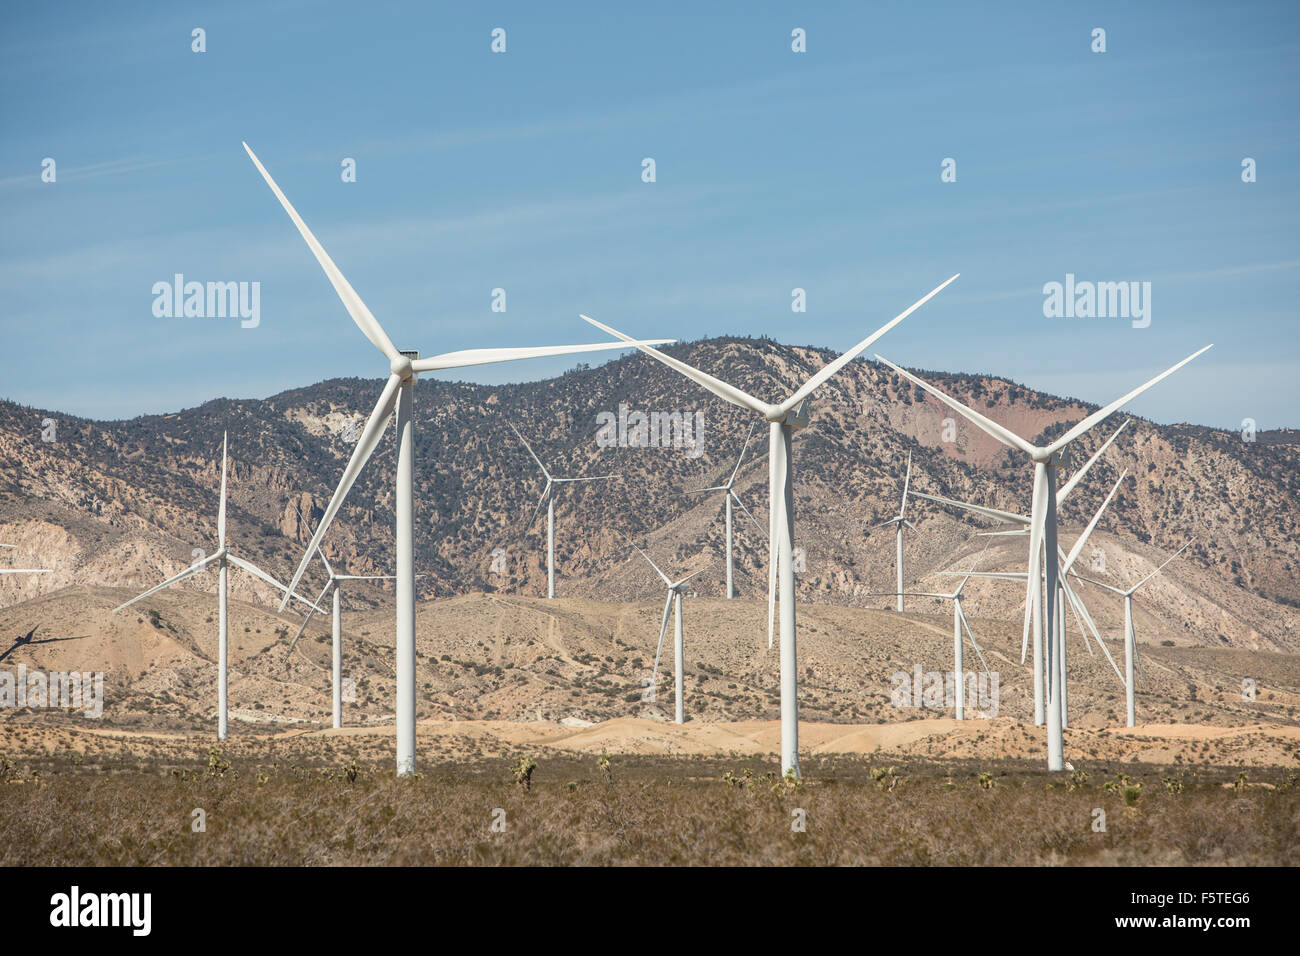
x=400 y=365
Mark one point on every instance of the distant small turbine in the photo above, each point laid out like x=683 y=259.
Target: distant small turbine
x=1130 y=638
x=675 y=590
x=221 y=558
x=729 y=488
x=548 y=496
x=336 y=654
x=900 y=521
x=958 y=622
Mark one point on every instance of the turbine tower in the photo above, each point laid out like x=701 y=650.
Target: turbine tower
x=729 y=496
x=397 y=395
x=222 y=558
x=672 y=605
x=900 y=521
x=548 y=496
x=783 y=419
x=1130 y=637
x=336 y=647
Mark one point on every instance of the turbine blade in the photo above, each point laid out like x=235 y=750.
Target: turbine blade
x=736 y=498
x=1001 y=575
x=1114 y=406
x=221 y=511
x=1007 y=517
x=663 y=629
x=306 y=619
x=540 y=501
x=468 y=357
x=961 y=612
x=530 y=451
x=1083 y=538
x=1072 y=599
x=328 y=570
x=906 y=481
x=361 y=315
x=987 y=425
x=714 y=385
x=1037 y=520
x=775 y=492
x=1108 y=587
x=259 y=573
x=370 y=436
x=1162 y=567
x=678 y=584
x=813 y=383
x=188 y=572
x=972 y=570
x=1079 y=473
x=665 y=577
x=741 y=457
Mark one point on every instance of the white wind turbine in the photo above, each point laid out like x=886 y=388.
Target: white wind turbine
x=900 y=521
x=782 y=418
x=1130 y=637
x=1056 y=649
x=672 y=605
x=1042 y=530
x=222 y=558
x=1022 y=521
x=397 y=395
x=336 y=648
x=548 y=496
x=958 y=622
x=730 y=494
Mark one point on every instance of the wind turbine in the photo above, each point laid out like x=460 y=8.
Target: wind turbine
x=548 y=496
x=899 y=521
x=222 y=558
x=672 y=605
x=1023 y=522
x=782 y=418
x=336 y=648
x=1046 y=460
x=397 y=395
x=1056 y=656
x=958 y=622
x=729 y=489
x=1130 y=638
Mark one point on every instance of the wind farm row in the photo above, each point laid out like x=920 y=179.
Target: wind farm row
x=1051 y=580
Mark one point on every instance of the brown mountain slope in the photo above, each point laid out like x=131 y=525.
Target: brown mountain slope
x=125 y=503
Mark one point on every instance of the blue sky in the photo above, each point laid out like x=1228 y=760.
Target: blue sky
x=775 y=170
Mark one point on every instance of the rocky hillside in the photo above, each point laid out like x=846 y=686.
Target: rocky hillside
x=123 y=504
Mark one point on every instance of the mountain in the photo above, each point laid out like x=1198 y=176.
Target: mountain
x=124 y=503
